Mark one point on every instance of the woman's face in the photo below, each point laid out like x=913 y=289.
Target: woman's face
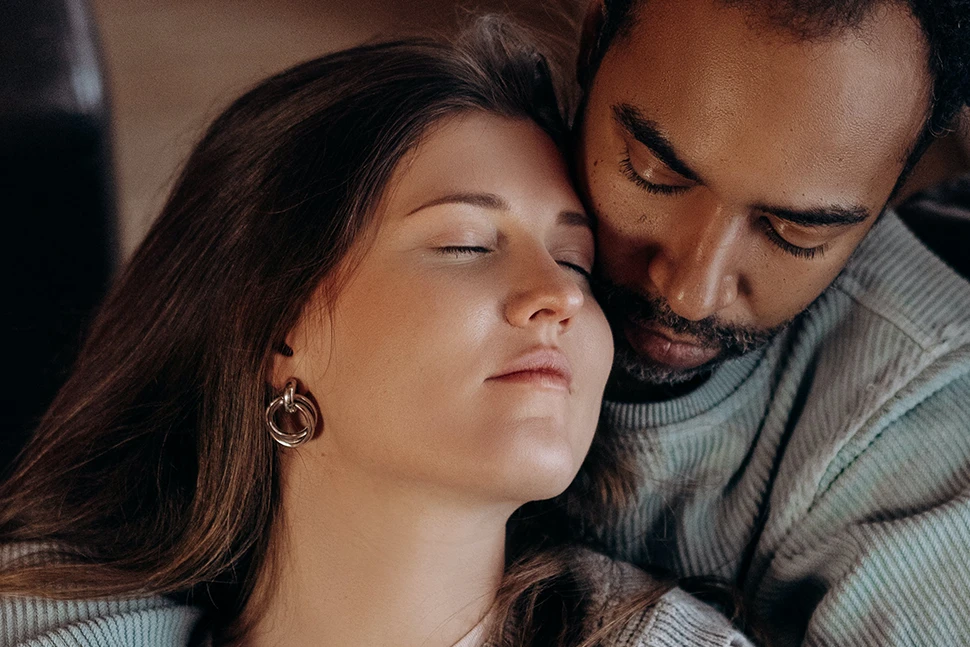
x=466 y=353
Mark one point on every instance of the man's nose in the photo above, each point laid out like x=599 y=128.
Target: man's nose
x=696 y=270
x=543 y=293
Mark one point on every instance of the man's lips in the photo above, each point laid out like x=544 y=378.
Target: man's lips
x=667 y=350
x=544 y=368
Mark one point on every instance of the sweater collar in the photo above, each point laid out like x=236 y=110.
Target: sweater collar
x=728 y=379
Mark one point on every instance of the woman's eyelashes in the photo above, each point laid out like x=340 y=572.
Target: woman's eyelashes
x=577 y=268
x=462 y=251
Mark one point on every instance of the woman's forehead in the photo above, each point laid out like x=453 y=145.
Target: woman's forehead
x=491 y=160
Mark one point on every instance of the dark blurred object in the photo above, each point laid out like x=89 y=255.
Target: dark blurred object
x=940 y=217
x=59 y=235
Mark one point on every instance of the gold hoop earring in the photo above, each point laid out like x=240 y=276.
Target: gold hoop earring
x=292 y=402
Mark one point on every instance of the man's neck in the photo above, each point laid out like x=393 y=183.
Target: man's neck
x=365 y=564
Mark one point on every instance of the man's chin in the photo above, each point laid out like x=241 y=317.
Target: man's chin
x=640 y=377
x=633 y=369
x=660 y=354
x=660 y=351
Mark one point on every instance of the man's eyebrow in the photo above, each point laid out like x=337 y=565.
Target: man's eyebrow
x=649 y=134
x=835 y=216
x=482 y=200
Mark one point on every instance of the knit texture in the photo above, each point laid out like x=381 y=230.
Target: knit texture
x=829 y=475
x=677 y=620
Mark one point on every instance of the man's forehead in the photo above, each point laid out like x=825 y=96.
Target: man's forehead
x=716 y=39
x=727 y=95
x=795 y=20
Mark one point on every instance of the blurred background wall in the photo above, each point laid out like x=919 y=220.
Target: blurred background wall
x=172 y=65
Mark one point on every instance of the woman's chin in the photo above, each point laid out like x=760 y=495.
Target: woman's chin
x=538 y=464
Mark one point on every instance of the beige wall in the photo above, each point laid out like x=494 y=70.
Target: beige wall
x=172 y=65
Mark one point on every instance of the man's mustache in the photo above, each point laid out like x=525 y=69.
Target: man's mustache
x=622 y=304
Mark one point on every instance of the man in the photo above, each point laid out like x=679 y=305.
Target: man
x=792 y=373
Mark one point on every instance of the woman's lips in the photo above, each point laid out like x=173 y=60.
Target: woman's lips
x=545 y=368
x=545 y=379
x=667 y=351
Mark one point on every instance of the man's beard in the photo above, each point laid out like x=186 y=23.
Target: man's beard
x=624 y=306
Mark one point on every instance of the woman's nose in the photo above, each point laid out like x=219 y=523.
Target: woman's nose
x=544 y=293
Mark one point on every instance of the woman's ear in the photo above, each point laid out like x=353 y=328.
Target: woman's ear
x=305 y=348
x=304 y=352
x=588 y=41
x=281 y=367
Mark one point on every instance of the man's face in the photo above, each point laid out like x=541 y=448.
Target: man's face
x=733 y=170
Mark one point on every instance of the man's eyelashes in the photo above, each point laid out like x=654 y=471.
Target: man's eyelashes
x=796 y=251
x=764 y=224
x=659 y=189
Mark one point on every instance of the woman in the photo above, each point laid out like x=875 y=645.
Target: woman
x=358 y=337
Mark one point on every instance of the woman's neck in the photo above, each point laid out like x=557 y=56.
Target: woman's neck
x=363 y=561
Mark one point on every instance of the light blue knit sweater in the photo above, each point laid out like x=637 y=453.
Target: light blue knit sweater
x=138 y=622
x=829 y=475
x=677 y=620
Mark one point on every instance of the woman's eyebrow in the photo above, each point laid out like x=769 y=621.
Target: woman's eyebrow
x=495 y=202
x=482 y=200
x=574 y=219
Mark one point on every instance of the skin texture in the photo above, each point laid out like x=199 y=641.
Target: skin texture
x=395 y=513
x=763 y=123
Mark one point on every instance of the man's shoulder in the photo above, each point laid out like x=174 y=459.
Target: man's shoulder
x=891 y=333
x=878 y=374
x=877 y=519
x=869 y=506
x=894 y=283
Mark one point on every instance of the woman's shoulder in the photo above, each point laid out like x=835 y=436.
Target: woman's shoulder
x=147 y=621
x=675 y=619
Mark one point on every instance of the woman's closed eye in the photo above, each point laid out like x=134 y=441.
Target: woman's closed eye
x=578 y=268
x=462 y=250
x=459 y=251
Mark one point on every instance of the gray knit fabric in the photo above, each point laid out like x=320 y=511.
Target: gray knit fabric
x=147 y=621
x=141 y=622
x=830 y=474
x=677 y=620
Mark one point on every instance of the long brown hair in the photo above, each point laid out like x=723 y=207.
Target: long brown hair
x=152 y=471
